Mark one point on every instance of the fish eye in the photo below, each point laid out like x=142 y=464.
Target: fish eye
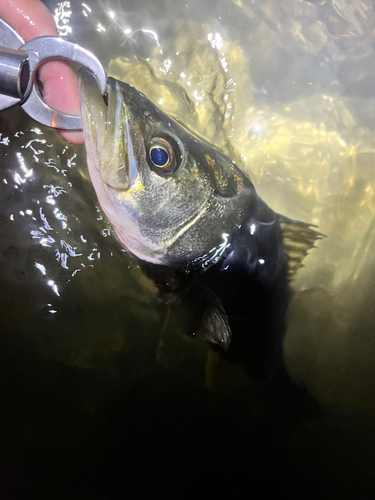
x=159 y=156
x=162 y=156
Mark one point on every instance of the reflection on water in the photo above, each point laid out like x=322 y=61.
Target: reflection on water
x=287 y=90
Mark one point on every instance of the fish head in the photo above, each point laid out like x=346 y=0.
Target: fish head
x=170 y=196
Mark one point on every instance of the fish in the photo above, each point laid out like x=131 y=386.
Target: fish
x=189 y=215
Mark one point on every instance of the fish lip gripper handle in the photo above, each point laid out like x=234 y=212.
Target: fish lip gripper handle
x=14 y=72
x=13 y=67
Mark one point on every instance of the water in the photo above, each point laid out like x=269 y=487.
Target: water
x=90 y=400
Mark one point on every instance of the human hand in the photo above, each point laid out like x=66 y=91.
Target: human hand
x=31 y=18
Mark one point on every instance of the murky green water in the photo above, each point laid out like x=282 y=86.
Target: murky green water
x=90 y=402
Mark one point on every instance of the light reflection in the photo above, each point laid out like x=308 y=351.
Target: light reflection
x=27 y=172
x=18 y=179
x=224 y=64
x=58 y=214
x=50 y=200
x=44 y=220
x=198 y=97
x=41 y=268
x=216 y=40
x=85 y=6
x=63 y=258
x=36 y=151
x=212 y=256
x=47 y=242
x=70 y=161
x=71 y=250
x=52 y=311
x=152 y=33
x=62 y=17
x=35 y=209
x=50 y=163
x=53 y=285
x=4 y=140
x=54 y=190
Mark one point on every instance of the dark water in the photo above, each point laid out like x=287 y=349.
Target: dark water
x=91 y=404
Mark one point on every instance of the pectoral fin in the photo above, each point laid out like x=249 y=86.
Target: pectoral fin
x=208 y=319
x=217 y=325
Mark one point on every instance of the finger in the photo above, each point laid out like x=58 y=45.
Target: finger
x=60 y=92
x=30 y=18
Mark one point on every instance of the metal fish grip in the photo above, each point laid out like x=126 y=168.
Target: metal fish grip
x=19 y=63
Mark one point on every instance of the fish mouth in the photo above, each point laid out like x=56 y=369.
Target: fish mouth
x=108 y=130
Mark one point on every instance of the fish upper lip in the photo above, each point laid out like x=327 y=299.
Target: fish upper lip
x=118 y=129
x=93 y=109
x=107 y=130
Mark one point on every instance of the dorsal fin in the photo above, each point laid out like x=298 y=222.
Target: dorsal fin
x=299 y=238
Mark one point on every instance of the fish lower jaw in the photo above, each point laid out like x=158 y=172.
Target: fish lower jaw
x=135 y=247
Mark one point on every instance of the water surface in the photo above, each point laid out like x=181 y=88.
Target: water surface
x=90 y=399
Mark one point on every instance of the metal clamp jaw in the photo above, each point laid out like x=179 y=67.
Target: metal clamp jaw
x=14 y=71
x=19 y=64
